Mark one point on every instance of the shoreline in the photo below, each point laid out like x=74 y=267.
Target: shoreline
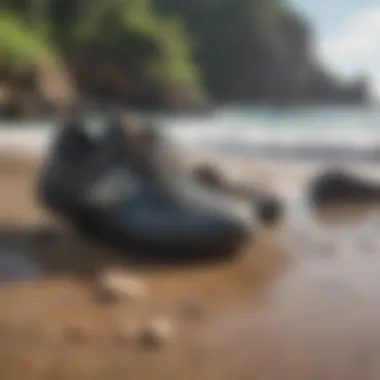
x=291 y=146
x=34 y=142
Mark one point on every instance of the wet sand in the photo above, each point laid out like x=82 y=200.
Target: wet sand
x=300 y=302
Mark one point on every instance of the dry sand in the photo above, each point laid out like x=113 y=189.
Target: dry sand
x=308 y=312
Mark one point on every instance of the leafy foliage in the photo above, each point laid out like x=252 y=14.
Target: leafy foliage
x=128 y=28
x=237 y=49
x=20 y=46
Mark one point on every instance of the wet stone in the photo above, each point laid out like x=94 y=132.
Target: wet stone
x=117 y=287
x=155 y=335
x=270 y=211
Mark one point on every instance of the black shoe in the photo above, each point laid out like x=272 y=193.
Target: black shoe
x=126 y=206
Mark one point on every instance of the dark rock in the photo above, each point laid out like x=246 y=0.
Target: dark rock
x=209 y=176
x=335 y=186
x=157 y=334
x=269 y=210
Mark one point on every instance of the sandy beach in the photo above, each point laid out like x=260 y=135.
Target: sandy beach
x=300 y=302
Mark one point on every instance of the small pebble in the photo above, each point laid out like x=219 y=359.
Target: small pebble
x=113 y=287
x=270 y=211
x=155 y=335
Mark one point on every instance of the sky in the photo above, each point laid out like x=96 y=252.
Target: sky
x=347 y=34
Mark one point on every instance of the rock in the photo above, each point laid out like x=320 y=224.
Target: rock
x=113 y=286
x=156 y=334
x=100 y=75
x=269 y=210
x=209 y=176
x=336 y=186
x=55 y=85
x=186 y=98
x=40 y=89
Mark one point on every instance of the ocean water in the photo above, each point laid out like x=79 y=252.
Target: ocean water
x=318 y=134
x=323 y=134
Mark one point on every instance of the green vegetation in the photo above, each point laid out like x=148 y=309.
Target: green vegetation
x=32 y=30
x=20 y=45
x=237 y=50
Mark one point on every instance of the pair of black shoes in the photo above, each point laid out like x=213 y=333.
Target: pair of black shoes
x=119 y=188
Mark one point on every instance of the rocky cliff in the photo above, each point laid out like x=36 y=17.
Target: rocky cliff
x=161 y=53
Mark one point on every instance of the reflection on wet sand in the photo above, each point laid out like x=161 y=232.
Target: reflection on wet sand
x=321 y=315
x=302 y=302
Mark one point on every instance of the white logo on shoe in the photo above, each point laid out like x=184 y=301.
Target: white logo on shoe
x=114 y=187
